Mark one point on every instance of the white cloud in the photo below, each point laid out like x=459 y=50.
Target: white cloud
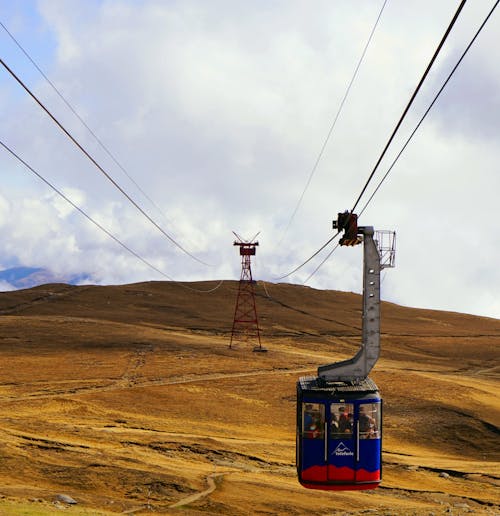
x=6 y=287
x=218 y=110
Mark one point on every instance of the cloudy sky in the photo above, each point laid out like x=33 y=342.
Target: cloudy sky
x=218 y=111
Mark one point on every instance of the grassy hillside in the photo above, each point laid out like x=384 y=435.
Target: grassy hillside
x=127 y=399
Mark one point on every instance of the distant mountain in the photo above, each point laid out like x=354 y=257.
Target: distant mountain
x=27 y=277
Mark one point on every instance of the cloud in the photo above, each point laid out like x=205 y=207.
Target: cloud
x=218 y=111
x=6 y=287
x=471 y=103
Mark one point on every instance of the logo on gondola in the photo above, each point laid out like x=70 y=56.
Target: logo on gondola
x=342 y=451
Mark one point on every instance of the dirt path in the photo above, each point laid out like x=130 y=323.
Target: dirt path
x=193 y=498
x=136 y=362
x=121 y=384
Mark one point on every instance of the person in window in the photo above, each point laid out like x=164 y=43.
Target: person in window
x=312 y=423
x=366 y=425
x=308 y=418
x=335 y=424
x=315 y=429
x=345 y=422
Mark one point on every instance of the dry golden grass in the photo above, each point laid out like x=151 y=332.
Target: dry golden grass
x=129 y=400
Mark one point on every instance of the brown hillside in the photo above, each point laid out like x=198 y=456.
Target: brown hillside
x=128 y=399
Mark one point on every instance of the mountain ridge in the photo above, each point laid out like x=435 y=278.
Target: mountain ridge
x=23 y=277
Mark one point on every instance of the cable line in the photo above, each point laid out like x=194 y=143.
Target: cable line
x=310 y=258
x=97 y=139
x=88 y=217
x=327 y=257
x=438 y=49
x=68 y=134
x=431 y=105
x=322 y=150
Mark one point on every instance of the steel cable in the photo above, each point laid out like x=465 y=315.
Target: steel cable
x=311 y=257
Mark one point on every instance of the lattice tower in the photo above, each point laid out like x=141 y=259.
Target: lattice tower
x=245 y=322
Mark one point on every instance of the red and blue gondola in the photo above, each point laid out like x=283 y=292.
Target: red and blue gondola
x=339 y=434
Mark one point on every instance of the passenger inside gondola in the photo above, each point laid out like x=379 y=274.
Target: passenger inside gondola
x=314 y=421
x=367 y=425
x=342 y=414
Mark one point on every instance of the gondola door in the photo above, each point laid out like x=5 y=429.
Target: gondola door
x=342 y=442
x=354 y=444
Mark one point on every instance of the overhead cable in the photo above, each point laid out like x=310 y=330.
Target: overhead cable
x=88 y=217
x=327 y=257
x=417 y=89
x=430 y=106
x=339 y=110
x=73 y=110
x=310 y=258
x=115 y=184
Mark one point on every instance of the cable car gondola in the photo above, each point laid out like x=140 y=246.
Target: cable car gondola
x=339 y=434
x=339 y=412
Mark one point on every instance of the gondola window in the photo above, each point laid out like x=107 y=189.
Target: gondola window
x=369 y=421
x=341 y=416
x=314 y=420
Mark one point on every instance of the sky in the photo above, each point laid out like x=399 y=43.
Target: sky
x=218 y=111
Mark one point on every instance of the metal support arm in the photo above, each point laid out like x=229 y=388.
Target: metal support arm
x=358 y=367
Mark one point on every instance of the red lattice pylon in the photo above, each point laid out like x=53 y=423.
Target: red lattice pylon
x=245 y=322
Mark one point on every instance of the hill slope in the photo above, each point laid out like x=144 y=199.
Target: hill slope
x=127 y=398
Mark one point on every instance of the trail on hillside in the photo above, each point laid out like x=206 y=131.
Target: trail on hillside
x=212 y=485
x=130 y=382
